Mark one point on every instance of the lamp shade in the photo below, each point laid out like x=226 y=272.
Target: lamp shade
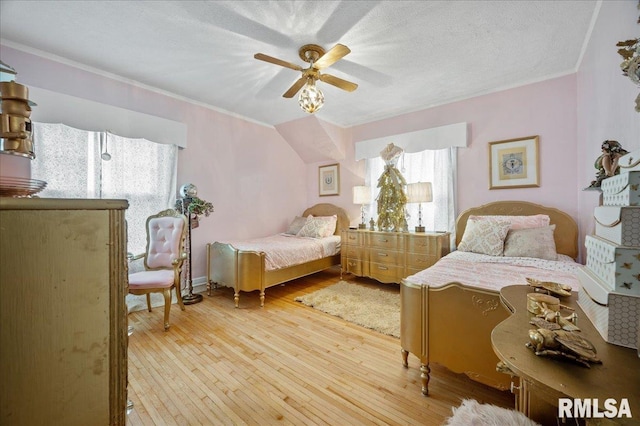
x=419 y=192
x=361 y=195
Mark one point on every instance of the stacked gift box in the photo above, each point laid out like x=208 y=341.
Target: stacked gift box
x=610 y=281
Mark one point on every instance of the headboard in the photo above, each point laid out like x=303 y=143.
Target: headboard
x=326 y=209
x=565 y=235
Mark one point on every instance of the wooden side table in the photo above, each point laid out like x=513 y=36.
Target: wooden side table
x=543 y=380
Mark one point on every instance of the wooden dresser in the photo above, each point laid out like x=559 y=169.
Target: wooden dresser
x=390 y=256
x=63 y=317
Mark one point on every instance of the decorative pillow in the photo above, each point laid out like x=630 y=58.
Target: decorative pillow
x=520 y=222
x=296 y=225
x=319 y=227
x=485 y=236
x=532 y=242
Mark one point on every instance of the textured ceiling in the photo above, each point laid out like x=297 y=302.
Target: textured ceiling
x=405 y=55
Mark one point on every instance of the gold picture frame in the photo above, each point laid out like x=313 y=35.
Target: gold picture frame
x=514 y=163
x=329 y=180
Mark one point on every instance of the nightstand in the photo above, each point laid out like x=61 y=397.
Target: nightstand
x=390 y=256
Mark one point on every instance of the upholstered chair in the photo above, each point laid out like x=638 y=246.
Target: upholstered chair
x=165 y=253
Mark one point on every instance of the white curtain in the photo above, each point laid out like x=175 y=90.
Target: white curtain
x=140 y=171
x=435 y=166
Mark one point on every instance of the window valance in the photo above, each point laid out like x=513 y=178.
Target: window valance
x=53 y=107
x=451 y=135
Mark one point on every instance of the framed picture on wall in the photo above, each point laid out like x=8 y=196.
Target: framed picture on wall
x=514 y=163
x=329 y=179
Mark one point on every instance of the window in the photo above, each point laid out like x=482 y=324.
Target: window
x=435 y=166
x=140 y=171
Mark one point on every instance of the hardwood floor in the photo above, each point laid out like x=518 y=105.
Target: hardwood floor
x=282 y=364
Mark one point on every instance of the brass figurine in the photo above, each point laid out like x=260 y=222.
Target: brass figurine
x=556 y=289
x=563 y=344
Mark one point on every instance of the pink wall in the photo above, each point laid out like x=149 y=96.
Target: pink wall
x=547 y=109
x=605 y=99
x=237 y=165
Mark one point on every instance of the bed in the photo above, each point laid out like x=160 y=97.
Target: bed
x=260 y=263
x=449 y=310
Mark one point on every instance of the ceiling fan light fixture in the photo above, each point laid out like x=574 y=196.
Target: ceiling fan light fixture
x=311 y=98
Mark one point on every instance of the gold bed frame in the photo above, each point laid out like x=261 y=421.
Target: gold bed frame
x=451 y=325
x=244 y=270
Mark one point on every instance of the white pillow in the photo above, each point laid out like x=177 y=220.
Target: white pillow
x=319 y=227
x=532 y=242
x=485 y=236
x=296 y=225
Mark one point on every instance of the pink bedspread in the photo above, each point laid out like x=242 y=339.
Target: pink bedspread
x=495 y=272
x=283 y=250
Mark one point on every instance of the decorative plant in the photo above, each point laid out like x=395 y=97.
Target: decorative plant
x=196 y=206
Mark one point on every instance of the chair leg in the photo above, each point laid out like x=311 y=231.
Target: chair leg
x=149 y=301
x=167 y=307
x=179 y=297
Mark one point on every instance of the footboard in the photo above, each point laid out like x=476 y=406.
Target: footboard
x=451 y=326
x=239 y=269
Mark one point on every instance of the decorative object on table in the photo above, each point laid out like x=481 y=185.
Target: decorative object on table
x=556 y=289
x=192 y=207
x=419 y=192
x=607 y=162
x=372 y=224
x=630 y=52
x=362 y=196
x=16 y=146
x=546 y=309
x=563 y=344
x=329 y=180
x=392 y=198
x=514 y=163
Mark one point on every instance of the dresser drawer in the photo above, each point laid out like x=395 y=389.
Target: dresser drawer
x=422 y=244
x=420 y=261
x=387 y=257
x=352 y=238
x=352 y=251
x=391 y=241
x=385 y=273
x=353 y=266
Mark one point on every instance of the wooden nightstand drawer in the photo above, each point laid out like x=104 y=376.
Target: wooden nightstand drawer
x=387 y=257
x=388 y=240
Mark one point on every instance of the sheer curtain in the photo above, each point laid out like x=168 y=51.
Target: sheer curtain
x=435 y=166
x=140 y=171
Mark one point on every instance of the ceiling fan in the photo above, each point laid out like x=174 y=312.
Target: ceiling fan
x=311 y=98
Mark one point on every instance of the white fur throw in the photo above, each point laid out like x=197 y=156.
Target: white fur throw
x=471 y=413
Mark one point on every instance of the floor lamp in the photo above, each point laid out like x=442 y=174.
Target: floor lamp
x=419 y=192
x=189 y=192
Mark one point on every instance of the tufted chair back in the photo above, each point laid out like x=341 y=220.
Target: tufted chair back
x=163 y=259
x=165 y=241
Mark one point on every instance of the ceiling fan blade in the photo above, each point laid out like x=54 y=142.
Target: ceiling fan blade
x=338 y=82
x=331 y=56
x=271 y=59
x=294 y=89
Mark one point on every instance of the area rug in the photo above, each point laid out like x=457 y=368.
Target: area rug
x=360 y=304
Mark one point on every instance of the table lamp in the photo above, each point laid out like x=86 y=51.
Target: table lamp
x=419 y=192
x=362 y=196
